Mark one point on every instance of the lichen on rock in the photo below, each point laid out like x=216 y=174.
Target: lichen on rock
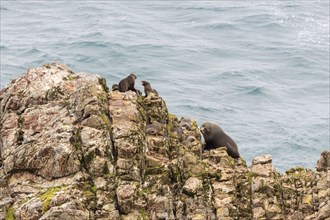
x=72 y=149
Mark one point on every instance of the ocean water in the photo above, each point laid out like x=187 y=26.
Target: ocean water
x=260 y=69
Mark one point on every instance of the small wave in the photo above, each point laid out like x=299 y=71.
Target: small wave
x=256 y=91
x=231 y=74
x=86 y=59
x=2 y=8
x=31 y=51
x=202 y=8
x=299 y=61
x=96 y=8
x=216 y=25
x=253 y=90
x=271 y=26
x=51 y=30
x=255 y=18
x=90 y=44
x=92 y=34
x=219 y=25
x=198 y=107
x=228 y=109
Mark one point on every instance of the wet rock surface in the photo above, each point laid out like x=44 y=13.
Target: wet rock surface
x=71 y=149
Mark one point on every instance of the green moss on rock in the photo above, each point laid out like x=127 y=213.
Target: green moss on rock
x=294 y=170
x=10 y=214
x=89 y=190
x=103 y=83
x=105 y=120
x=47 y=197
x=90 y=156
x=143 y=215
x=75 y=139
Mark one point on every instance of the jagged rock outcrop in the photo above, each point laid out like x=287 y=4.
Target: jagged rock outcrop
x=71 y=149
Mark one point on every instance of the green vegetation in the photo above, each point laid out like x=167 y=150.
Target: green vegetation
x=25 y=200
x=20 y=137
x=20 y=121
x=143 y=215
x=88 y=194
x=143 y=192
x=172 y=116
x=66 y=101
x=103 y=83
x=170 y=126
x=93 y=189
x=308 y=199
x=140 y=108
x=89 y=190
x=105 y=169
x=105 y=120
x=47 y=65
x=250 y=177
x=48 y=196
x=75 y=139
x=295 y=169
x=70 y=77
x=110 y=175
x=90 y=156
x=20 y=94
x=20 y=132
x=10 y=214
x=154 y=170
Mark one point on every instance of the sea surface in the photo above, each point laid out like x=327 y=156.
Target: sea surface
x=258 y=68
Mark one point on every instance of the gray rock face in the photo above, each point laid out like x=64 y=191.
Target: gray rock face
x=192 y=185
x=70 y=149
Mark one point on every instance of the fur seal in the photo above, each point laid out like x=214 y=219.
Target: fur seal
x=154 y=128
x=115 y=87
x=186 y=123
x=189 y=140
x=148 y=89
x=127 y=83
x=215 y=137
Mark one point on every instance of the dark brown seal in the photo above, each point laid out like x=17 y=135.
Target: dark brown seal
x=127 y=83
x=154 y=128
x=148 y=89
x=189 y=140
x=186 y=123
x=215 y=137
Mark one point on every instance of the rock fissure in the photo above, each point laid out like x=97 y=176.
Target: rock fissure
x=29 y=170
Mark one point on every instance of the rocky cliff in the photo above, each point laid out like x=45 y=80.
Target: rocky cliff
x=71 y=149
